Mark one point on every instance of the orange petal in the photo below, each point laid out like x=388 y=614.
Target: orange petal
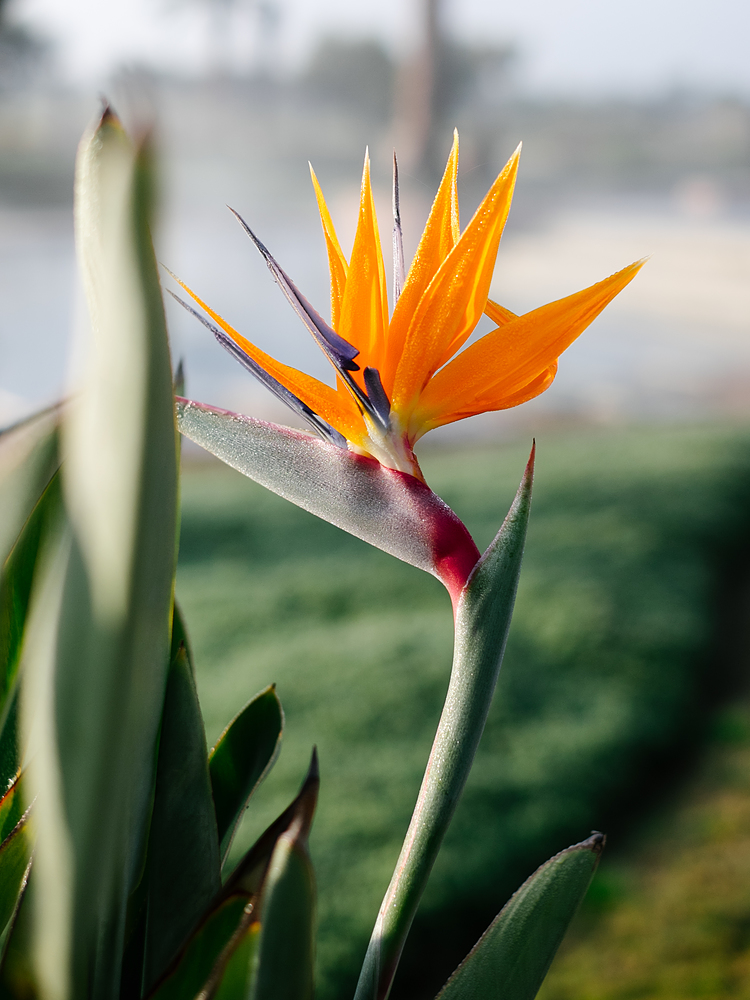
x=483 y=404
x=440 y=235
x=337 y=264
x=456 y=297
x=364 y=307
x=337 y=408
x=499 y=314
x=499 y=365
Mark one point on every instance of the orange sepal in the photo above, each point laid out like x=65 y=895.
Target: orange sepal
x=421 y=424
x=456 y=297
x=337 y=408
x=337 y=264
x=441 y=233
x=364 y=307
x=506 y=360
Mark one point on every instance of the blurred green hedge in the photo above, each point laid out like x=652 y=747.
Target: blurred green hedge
x=634 y=539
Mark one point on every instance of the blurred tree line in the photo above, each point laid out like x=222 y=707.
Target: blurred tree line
x=356 y=92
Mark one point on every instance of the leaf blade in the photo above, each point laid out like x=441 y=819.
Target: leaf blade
x=208 y=957
x=196 y=963
x=28 y=459
x=183 y=874
x=15 y=855
x=286 y=944
x=243 y=755
x=16 y=581
x=512 y=957
x=112 y=634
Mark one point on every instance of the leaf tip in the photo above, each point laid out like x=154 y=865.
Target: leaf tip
x=596 y=842
x=529 y=472
x=313 y=772
x=108 y=117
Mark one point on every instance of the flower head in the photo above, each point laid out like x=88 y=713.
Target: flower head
x=397 y=375
x=400 y=375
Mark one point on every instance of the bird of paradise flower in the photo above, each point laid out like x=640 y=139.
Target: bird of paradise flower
x=410 y=377
x=398 y=376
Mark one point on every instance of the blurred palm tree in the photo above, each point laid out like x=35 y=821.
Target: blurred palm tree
x=415 y=92
x=436 y=83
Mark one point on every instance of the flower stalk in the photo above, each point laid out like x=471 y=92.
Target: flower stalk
x=482 y=621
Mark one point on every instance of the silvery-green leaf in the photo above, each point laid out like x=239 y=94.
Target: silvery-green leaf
x=111 y=642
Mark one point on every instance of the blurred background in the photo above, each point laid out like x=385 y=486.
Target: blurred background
x=623 y=700
x=636 y=131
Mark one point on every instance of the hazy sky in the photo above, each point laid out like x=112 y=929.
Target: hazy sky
x=580 y=46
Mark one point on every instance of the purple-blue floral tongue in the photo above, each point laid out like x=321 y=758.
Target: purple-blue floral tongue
x=373 y=401
x=339 y=351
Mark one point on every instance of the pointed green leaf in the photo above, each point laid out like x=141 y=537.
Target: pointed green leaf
x=483 y=618
x=16 y=579
x=286 y=944
x=243 y=755
x=251 y=870
x=15 y=854
x=28 y=460
x=391 y=510
x=205 y=960
x=111 y=646
x=42 y=933
x=183 y=874
x=180 y=636
x=513 y=955
x=281 y=959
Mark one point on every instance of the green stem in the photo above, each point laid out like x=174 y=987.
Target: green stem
x=482 y=621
